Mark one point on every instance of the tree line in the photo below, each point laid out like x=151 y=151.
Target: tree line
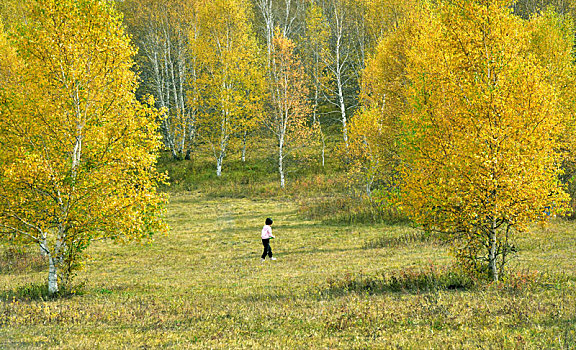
x=223 y=70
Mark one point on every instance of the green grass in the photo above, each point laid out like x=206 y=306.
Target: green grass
x=333 y=286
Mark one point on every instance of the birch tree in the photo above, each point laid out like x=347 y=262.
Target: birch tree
x=341 y=61
x=481 y=157
x=552 y=43
x=231 y=78
x=163 y=31
x=78 y=150
x=315 y=43
x=289 y=95
x=284 y=15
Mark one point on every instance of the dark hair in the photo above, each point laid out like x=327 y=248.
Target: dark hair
x=269 y=221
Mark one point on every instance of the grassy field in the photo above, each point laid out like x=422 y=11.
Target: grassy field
x=332 y=287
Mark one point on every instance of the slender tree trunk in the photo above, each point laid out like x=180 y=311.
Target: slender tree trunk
x=342 y=104
x=265 y=7
x=492 y=255
x=159 y=82
x=223 y=143
x=340 y=61
x=281 y=163
x=219 y=164
x=244 y=141
x=369 y=188
x=43 y=247
x=52 y=276
x=323 y=148
x=343 y=113
x=174 y=153
x=221 y=154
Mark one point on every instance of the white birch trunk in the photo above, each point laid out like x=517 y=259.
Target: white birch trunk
x=369 y=188
x=43 y=249
x=281 y=163
x=244 y=141
x=165 y=46
x=52 y=276
x=343 y=113
x=283 y=18
x=219 y=165
x=224 y=134
x=339 y=83
x=266 y=10
x=492 y=255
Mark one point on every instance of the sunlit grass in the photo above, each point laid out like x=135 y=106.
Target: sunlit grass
x=333 y=286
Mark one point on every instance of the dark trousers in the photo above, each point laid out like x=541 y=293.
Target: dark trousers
x=267 y=249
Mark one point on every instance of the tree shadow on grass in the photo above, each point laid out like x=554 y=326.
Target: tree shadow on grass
x=402 y=281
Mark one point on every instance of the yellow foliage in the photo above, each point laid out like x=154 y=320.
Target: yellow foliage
x=374 y=130
x=9 y=63
x=384 y=16
x=78 y=150
x=551 y=43
x=481 y=136
x=288 y=120
x=12 y=12
x=230 y=79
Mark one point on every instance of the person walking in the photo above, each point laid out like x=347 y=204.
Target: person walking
x=266 y=236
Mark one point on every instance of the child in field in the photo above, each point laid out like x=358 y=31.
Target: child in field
x=266 y=235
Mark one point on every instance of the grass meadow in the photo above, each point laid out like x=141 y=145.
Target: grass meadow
x=332 y=287
x=346 y=278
